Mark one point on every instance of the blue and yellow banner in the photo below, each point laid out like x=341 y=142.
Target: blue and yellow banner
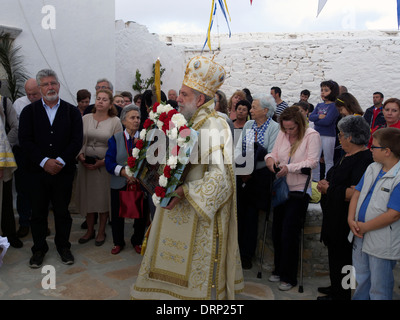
x=225 y=11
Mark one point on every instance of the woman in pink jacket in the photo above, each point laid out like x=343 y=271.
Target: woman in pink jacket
x=296 y=147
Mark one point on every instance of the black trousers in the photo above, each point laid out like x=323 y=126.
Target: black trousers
x=286 y=227
x=339 y=255
x=7 y=211
x=57 y=190
x=118 y=224
x=252 y=197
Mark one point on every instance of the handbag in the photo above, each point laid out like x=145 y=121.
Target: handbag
x=280 y=191
x=131 y=202
x=90 y=160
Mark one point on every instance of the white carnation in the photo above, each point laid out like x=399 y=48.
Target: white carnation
x=172 y=161
x=163 y=181
x=143 y=134
x=135 y=152
x=152 y=116
x=181 y=142
x=128 y=171
x=164 y=108
x=178 y=120
x=156 y=200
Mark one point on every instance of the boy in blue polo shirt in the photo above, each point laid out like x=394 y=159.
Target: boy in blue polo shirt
x=374 y=214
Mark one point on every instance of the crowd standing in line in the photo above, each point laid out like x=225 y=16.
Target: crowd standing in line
x=52 y=133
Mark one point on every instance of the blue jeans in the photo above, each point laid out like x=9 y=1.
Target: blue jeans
x=374 y=276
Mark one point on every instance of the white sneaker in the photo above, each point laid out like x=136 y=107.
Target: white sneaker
x=284 y=286
x=274 y=278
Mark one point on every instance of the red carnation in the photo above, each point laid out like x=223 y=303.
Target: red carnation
x=139 y=144
x=167 y=172
x=184 y=131
x=165 y=128
x=160 y=192
x=147 y=124
x=155 y=106
x=171 y=113
x=163 y=117
x=131 y=162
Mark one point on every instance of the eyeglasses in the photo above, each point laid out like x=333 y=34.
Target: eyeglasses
x=48 y=84
x=375 y=147
x=340 y=135
x=102 y=87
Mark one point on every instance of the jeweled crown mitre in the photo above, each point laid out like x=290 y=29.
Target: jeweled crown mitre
x=204 y=75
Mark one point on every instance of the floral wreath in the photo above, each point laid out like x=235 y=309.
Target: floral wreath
x=176 y=128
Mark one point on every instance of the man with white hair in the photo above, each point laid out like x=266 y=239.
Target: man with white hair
x=50 y=136
x=172 y=94
x=198 y=257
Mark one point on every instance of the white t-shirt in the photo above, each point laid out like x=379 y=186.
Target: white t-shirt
x=20 y=104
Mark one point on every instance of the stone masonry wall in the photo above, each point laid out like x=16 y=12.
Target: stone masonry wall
x=364 y=62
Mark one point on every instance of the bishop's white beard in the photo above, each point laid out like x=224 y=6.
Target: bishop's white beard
x=188 y=110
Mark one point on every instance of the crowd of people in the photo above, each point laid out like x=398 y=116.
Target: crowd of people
x=353 y=156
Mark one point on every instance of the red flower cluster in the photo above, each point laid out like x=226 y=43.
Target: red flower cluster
x=131 y=162
x=165 y=118
x=184 y=131
x=147 y=124
x=167 y=172
x=160 y=192
x=139 y=144
x=155 y=106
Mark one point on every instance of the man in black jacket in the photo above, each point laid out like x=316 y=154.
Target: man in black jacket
x=50 y=135
x=374 y=115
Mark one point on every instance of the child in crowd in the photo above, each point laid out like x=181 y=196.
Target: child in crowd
x=374 y=214
x=324 y=117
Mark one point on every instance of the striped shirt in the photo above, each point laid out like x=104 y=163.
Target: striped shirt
x=280 y=107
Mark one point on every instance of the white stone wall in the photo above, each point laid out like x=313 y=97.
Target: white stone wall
x=139 y=49
x=364 y=62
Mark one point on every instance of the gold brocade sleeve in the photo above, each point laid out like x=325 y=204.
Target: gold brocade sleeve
x=208 y=194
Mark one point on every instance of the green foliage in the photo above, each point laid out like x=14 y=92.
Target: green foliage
x=12 y=63
x=141 y=85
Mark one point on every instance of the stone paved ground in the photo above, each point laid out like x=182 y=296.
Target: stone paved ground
x=98 y=275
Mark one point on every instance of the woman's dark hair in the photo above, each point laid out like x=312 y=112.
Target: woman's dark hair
x=392 y=100
x=333 y=86
x=245 y=103
x=223 y=103
x=82 y=95
x=302 y=104
x=349 y=102
x=249 y=98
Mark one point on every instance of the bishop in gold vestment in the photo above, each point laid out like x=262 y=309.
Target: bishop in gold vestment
x=192 y=250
